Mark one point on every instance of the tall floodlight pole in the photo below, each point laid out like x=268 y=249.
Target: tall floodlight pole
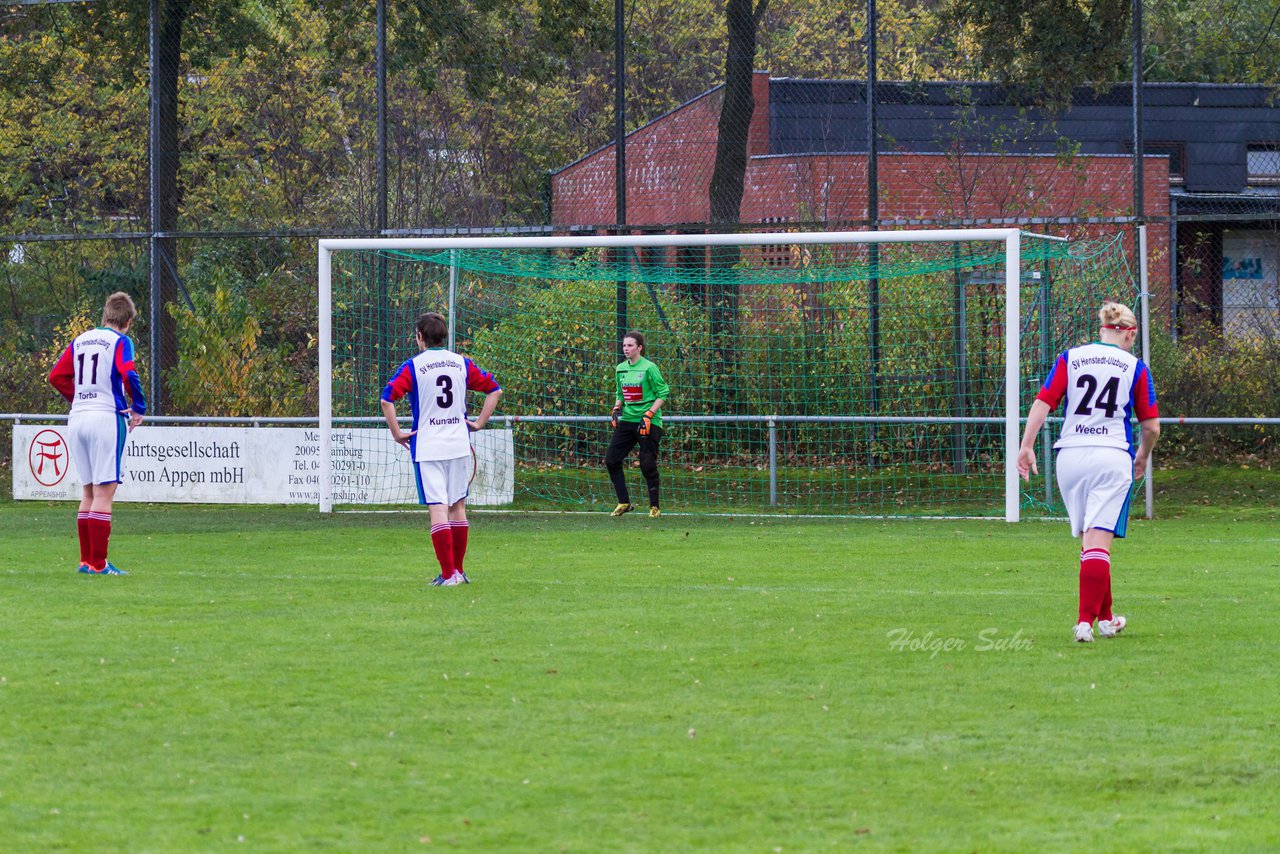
x=620 y=162
x=1139 y=202
x=382 y=359
x=155 y=300
x=381 y=61
x=873 y=213
x=1139 y=213
x=873 y=189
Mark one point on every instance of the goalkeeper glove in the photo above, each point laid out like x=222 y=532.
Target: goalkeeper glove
x=613 y=417
x=645 y=425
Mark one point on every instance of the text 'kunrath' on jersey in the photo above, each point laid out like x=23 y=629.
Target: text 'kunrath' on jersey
x=436 y=382
x=1104 y=387
x=91 y=373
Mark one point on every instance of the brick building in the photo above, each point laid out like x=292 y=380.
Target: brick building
x=961 y=153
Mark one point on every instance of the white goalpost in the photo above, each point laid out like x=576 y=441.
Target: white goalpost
x=1010 y=239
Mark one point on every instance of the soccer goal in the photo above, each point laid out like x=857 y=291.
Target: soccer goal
x=836 y=373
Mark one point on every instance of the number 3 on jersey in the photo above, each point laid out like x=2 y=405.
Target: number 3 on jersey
x=445 y=398
x=1106 y=401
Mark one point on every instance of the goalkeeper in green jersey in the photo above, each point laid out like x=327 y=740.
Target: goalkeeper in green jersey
x=641 y=391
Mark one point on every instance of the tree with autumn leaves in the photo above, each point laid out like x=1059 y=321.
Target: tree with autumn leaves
x=268 y=115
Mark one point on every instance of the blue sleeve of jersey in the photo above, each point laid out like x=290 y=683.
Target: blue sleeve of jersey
x=131 y=376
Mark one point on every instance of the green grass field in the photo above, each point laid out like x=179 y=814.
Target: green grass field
x=271 y=677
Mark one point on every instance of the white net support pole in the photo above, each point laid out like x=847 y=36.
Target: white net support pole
x=453 y=297
x=1012 y=369
x=324 y=343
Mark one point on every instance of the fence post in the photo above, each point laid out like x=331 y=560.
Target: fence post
x=453 y=297
x=773 y=461
x=1144 y=296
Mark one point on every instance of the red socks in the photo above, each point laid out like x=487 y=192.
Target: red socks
x=1095 y=585
x=95 y=532
x=82 y=529
x=442 y=540
x=459 y=542
x=1104 y=613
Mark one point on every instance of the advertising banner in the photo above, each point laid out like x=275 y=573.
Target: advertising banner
x=253 y=465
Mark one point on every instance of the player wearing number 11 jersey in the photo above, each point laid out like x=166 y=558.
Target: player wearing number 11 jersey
x=436 y=382
x=93 y=374
x=1104 y=386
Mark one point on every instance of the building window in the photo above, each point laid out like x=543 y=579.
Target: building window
x=1264 y=163
x=1250 y=279
x=1176 y=154
x=777 y=255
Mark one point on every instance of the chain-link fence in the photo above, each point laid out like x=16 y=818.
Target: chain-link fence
x=191 y=153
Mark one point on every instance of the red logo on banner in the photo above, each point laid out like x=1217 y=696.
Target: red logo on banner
x=47 y=457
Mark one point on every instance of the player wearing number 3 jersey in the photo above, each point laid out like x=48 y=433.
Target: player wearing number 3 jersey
x=94 y=374
x=436 y=381
x=1105 y=386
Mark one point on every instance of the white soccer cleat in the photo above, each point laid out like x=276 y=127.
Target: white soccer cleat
x=454 y=580
x=1111 y=628
x=1084 y=633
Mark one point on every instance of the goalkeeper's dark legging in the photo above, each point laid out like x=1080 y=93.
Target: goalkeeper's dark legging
x=625 y=437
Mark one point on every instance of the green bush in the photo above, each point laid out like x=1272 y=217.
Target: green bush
x=224 y=368
x=788 y=351
x=1216 y=377
x=25 y=364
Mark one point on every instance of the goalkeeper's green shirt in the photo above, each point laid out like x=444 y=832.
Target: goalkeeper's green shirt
x=639 y=385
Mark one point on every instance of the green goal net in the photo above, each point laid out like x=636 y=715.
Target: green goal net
x=831 y=377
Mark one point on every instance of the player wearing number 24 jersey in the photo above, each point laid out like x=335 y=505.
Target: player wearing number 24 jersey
x=1104 y=387
x=436 y=381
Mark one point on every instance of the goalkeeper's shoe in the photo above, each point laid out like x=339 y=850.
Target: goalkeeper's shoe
x=1084 y=632
x=1111 y=628
x=654 y=512
x=457 y=573
x=85 y=568
x=622 y=508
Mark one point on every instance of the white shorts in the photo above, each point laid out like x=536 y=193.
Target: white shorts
x=1095 y=485
x=444 y=481
x=96 y=440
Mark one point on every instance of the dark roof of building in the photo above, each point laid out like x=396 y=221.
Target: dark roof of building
x=1205 y=129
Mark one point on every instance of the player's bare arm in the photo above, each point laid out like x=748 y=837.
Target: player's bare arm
x=490 y=404
x=1027 y=465
x=393 y=423
x=1150 y=435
